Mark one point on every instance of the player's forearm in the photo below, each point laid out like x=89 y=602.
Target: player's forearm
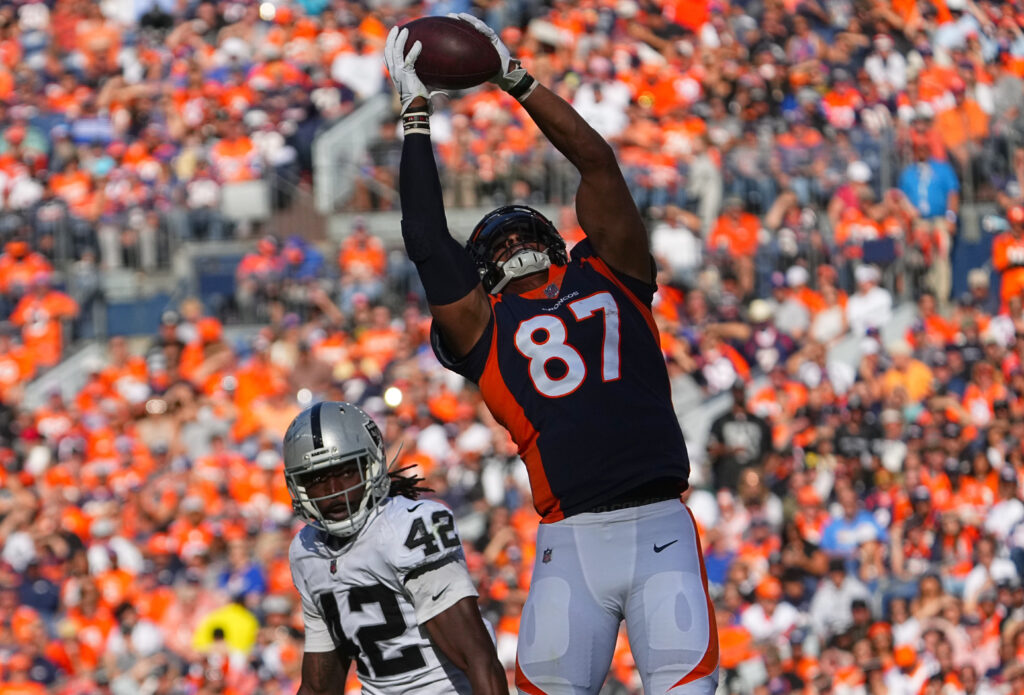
x=567 y=131
x=460 y=634
x=487 y=677
x=419 y=184
x=443 y=265
x=322 y=672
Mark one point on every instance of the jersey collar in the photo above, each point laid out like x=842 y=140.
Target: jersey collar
x=550 y=289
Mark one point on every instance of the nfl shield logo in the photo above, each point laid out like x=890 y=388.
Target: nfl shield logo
x=547 y=556
x=551 y=291
x=334 y=566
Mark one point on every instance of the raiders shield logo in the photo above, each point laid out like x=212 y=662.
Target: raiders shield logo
x=374 y=432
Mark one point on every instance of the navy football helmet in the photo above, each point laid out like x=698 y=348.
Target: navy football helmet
x=529 y=226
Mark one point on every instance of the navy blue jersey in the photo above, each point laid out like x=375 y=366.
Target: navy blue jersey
x=574 y=371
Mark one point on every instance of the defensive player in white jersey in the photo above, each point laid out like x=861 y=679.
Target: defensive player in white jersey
x=381 y=573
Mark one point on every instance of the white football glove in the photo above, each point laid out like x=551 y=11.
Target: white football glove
x=402 y=68
x=512 y=74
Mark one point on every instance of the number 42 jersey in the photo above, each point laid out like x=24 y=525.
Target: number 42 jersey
x=371 y=596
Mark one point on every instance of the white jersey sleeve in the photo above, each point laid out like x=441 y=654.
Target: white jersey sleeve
x=318 y=636
x=428 y=556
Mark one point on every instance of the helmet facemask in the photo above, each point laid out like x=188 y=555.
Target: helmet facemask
x=522 y=258
x=370 y=477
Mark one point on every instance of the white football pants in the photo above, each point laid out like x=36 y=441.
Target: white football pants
x=642 y=565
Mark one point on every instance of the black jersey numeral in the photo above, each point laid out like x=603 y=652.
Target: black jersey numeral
x=445 y=524
x=367 y=653
x=419 y=535
x=332 y=616
x=444 y=530
x=409 y=658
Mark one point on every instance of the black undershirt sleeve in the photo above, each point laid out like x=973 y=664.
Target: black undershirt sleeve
x=445 y=268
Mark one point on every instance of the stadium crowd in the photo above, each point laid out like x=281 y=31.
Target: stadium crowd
x=122 y=124
x=803 y=166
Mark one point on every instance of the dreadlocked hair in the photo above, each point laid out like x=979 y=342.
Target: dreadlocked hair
x=407 y=486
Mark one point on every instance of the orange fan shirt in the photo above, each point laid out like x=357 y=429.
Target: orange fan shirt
x=1008 y=259
x=39 y=318
x=737 y=236
x=362 y=256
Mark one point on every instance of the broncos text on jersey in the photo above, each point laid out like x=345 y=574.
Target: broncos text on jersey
x=371 y=596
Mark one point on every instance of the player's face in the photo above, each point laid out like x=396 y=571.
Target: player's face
x=511 y=244
x=337 y=491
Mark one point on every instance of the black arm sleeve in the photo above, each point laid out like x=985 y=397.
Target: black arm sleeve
x=446 y=270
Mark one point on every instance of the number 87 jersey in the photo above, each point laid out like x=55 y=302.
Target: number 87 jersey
x=370 y=597
x=574 y=371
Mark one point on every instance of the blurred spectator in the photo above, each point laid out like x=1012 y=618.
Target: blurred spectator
x=988 y=571
x=912 y=377
x=1008 y=255
x=18 y=266
x=738 y=438
x=769 y=617
x=886 y=66
x=964 y=128
x=362 y=264
x=257 y=278
x=831 y=608
x=870 y=306
x=932 y=188
x=843 y=534
x=41 y=313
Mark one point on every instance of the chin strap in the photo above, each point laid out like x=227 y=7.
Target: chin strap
x=526 y=262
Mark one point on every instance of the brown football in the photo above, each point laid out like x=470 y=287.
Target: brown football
x=454 y=55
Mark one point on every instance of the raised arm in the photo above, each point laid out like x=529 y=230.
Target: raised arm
x=457 y=301
x=460 y=634
x=604 y=206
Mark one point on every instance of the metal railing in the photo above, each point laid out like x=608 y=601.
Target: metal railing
x=295 y=211
x=337 y=153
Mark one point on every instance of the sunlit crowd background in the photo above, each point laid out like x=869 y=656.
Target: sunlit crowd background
x=835 y=194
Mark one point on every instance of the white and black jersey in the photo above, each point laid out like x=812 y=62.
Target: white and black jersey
x=371 y=595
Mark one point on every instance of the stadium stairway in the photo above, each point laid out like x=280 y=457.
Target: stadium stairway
x=339 y=150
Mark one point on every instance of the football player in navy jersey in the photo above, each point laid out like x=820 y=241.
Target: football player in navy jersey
x=566 y=353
